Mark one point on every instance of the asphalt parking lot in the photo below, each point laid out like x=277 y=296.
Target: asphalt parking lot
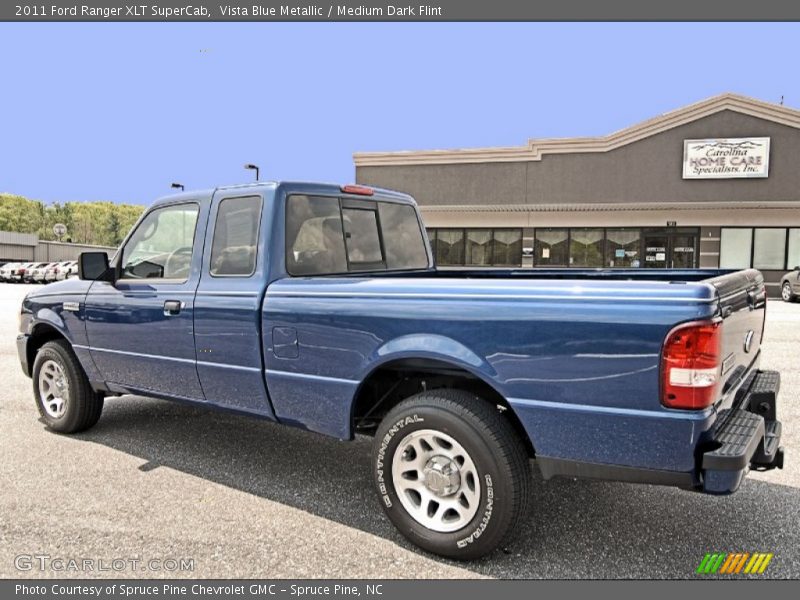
x=247 y=498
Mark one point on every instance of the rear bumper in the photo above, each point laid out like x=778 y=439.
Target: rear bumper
x=744 y=438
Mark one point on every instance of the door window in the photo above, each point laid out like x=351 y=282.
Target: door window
x=683 y=251
x=233 y=252
x=162 y=245
x=655 y=251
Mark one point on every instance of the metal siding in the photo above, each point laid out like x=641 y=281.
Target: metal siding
x=15 y=253
x=57 y=251
x=18 y=239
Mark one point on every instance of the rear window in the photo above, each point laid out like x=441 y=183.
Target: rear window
x=327 y=235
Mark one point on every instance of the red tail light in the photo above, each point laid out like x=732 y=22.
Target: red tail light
x=360 y=190
x=690 y=365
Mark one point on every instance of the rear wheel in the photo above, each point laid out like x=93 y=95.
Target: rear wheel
x=65 y=399
x=786 y=292
x=452 y=473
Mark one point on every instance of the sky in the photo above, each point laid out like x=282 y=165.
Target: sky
x=118 y=111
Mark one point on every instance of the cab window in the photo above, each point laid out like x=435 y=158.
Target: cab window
x=233 y=251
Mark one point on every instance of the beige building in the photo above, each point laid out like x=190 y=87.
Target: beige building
x=713 y=184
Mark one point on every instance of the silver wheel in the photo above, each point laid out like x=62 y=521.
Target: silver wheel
x=53 y=389
x=436 y=480
x=786 y=292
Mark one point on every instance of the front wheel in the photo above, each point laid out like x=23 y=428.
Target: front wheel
x=65 y=399
x=452 y=473
x=786 y=292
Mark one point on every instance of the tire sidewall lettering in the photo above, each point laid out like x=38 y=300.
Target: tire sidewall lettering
x=396 y=427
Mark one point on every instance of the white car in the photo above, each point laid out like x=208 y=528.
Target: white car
x=7 y=269
x=67 y=269
x=18 y=274
x=36 y=274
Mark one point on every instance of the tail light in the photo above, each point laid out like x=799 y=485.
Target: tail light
x=690 y=365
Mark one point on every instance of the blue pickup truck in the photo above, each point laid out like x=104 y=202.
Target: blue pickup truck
x=319 y=306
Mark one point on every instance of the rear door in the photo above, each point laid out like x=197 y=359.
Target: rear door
x=141 y=328
x=227 y=314
x=742 y=306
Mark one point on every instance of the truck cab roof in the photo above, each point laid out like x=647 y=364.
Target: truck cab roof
x=287 y=187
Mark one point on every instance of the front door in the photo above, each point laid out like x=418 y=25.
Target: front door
x=141 y=328
x=670 y=248
x=683 y=250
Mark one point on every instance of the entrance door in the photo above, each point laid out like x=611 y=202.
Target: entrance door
x=670 y=248
x=683 y=250
x=655 y=250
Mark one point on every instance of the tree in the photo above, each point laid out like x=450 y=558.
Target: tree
x=100 y=223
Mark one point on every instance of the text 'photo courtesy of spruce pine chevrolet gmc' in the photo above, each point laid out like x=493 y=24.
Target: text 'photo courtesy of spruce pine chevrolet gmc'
x=319 y=306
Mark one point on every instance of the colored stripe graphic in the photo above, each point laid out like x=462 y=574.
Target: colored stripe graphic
x=730 y=561
x=741 y=562
x=734 y=563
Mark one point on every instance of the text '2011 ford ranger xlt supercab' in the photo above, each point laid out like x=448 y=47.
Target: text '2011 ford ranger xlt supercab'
x=320 y=307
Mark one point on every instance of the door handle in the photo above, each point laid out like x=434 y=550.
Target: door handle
x=172 y=307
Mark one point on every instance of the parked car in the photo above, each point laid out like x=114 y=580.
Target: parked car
x=35 y=274
x=51 y=271
x=67 y=269
x=18 y=275
x=57 y=271
x=319 y=307
x=790 y=285
x=6 y=271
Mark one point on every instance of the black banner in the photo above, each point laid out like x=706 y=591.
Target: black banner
x=377 y=589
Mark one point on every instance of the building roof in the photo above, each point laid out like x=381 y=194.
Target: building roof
x=535 y=149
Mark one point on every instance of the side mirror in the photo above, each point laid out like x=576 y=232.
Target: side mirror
x=93 y=266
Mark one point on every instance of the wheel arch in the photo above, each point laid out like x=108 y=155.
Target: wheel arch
x=398 y=377
x=41 y=333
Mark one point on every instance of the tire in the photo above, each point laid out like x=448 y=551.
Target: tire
x=477 y=490
x=786 y=292
x=68 y=408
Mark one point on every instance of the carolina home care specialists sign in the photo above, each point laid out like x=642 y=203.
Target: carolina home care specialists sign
x=726 y=158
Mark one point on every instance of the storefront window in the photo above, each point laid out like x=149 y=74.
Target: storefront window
x=769 y=247
x=550 y=248
x=449 y=247
x=479 y=247
x=793 y=260
x=586 y=248
x=734 y=248
x=507 y=247
x=623 y=247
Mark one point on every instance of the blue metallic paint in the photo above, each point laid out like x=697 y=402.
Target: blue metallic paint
x=579 y=363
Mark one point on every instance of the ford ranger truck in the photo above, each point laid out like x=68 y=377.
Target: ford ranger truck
x=320 y=307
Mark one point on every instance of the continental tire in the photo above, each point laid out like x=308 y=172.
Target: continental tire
x=64 y=398
x=452 y=473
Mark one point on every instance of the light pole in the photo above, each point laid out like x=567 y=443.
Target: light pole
x=253 y=168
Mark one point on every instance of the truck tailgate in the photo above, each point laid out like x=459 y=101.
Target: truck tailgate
x=742 y=305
